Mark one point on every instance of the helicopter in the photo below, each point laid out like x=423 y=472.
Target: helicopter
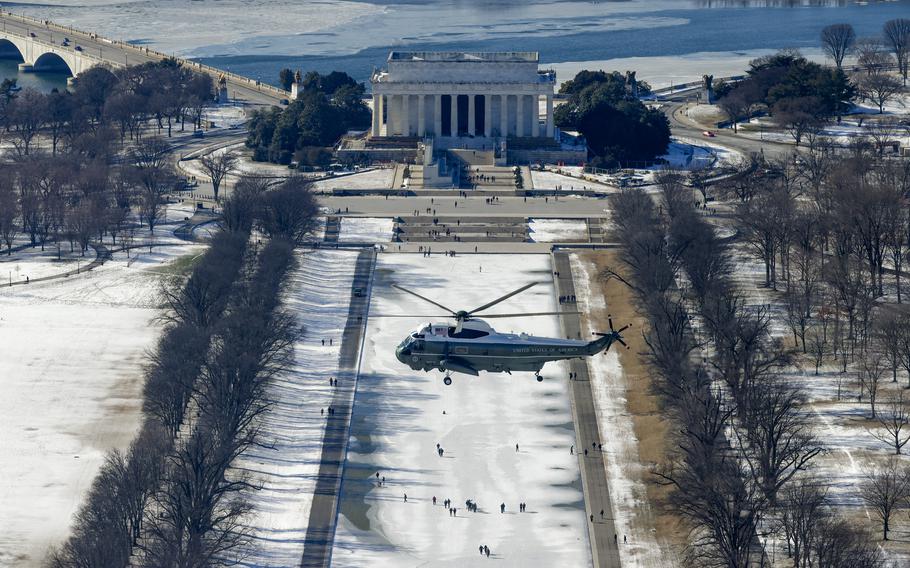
x=472 y=345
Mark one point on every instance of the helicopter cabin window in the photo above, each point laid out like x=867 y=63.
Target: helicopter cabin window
x=466 y=333
x=439 y=330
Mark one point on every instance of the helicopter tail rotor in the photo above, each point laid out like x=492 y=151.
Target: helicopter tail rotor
x=614 y=334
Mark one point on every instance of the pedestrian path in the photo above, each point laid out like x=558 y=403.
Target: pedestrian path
x=601 y=531
x=320 y=533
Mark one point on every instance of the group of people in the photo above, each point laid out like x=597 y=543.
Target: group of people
x=567 y=299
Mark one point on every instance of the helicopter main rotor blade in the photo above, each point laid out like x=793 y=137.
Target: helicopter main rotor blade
x=530 y=314
x=413 y=316
x=425 y=299
x=500 y=299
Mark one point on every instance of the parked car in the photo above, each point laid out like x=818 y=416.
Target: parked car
x=78 y=48
x=31 y=34
x=708 y=133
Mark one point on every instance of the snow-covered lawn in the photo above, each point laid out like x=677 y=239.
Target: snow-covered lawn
x=366 y=230
x=227 y=115
x=400 y=415
x=380 y=178
x=71 y=377
x=31 y=262
x=287 y=463
x=559 y=230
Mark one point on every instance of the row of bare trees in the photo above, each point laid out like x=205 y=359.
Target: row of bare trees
x=111 y=521
x=731 y=491
x=64 y=198
x=206 y=388
x=106 y=104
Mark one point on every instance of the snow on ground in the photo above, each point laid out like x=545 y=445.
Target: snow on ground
x=684 y=155
x=400 y=415
x=838 y=418
x=226 y=115
x=559 y=230
x=33 y=263
x=625 y=473
x=899 y=104
x=287 y=463
x=366 y=230
x=71 y=377
x=380 y=178
x=245 y=165
x=548 y=179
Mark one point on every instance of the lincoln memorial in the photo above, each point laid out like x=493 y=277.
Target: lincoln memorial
x=457 y=97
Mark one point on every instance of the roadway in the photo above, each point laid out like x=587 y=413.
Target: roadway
x=676 y=108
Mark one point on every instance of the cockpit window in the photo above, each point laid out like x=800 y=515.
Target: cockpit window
x=466 y=333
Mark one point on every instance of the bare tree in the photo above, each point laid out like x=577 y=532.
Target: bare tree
x=289 y=212
x=736 y=105
x=818 y=348
x=781 y=443
x=802 y=508
x=879 y=87
x=9 y=210
x=897 y=34
x=238 y=212
x=871 y=54
x=884 y=490
x=26 y=116
x=218 y=165
x=871 y=372
x=837 y=41
x=151 y=174
x=893 y=422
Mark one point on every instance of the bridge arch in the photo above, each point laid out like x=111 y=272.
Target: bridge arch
x=50 y=61
x=10 y=51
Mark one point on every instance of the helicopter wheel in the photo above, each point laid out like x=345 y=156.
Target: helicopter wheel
x=447 y=380
x=539 y=378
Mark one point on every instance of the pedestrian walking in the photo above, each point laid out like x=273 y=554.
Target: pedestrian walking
x=592 y=517
x=405 y=497
x=624 y=539
x=455 y=511
x=486 y=550
x=481 y=549
x=571 y=450
x=323 y=342
x=502 y=508
x=434 y=499
x=586 y=451
x=516 y=447
x=601 y=513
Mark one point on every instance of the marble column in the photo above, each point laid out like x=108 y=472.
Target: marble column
x=453 y=123
x=488 y=115
x=550 y=116
x=421 y=115
x=503 y=115
x=376 y=116
x=437 y=115
x=472 y=118
x=520 y=118
x=405 y=115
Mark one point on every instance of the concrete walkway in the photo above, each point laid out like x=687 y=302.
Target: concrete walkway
x=601 y=532
x=320 y=535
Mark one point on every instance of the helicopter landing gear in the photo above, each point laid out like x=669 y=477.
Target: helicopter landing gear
x=447 y=380
x=539 y=378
